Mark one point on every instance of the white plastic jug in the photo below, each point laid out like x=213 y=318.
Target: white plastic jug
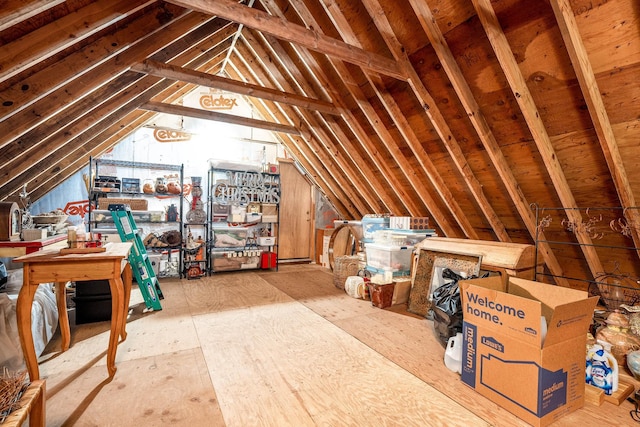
x=453 y=353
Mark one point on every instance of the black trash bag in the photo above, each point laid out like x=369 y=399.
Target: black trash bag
x=3 y=276
x=446 y=307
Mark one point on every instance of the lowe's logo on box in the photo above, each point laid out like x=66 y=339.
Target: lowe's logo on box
x=492 y=343
x=484 y=308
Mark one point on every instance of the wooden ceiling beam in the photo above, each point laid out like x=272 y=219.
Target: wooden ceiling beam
x=592 y=96
x=137 y=41
x=13 y=12
x=196 y=44
x=479 y=122
x=295 y=145
x=217 y=82
x=316 y=139
x=340 y=150
x=71 y=29
x=330 y=157
x=389 y=191
x=287 y=31
x=58 y=87
x=197 y=113
x=521 y=92
x=408 y=135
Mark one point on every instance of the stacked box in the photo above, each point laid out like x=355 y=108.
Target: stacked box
x=34 y=234
x=529 y=331
x=269 y=212
x=253 y=217
x=381 y=257
x=409 y=223
x=237 y=214
x=371 y=224
x=266 y=241
x=92 y=299
x=419 y=223
x=221 y=212
x=235 y=260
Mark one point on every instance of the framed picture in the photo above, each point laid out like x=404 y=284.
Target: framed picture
x=428 y=275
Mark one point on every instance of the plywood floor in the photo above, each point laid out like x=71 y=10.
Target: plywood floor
x=281 y=348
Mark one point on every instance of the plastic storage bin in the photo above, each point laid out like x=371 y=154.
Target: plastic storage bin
x=381 y=257
x=229 y=237
x=371 y=224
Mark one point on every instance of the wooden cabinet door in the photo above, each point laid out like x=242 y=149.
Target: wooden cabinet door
x=296 y=214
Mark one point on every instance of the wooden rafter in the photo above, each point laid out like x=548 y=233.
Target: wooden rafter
x=129 y=41
x=531 y=115
x=180 y=110
x=488 y=140
x=52 y=119
x=217 y=82
x=25 y=162
x=320 y=142
x=332 y=150
x=56 y=88
x=16 y=11
x=284 y=30
x=296 y=145
x=375 y=158
x=593 y=98
x=409 y=136
x=50 y=39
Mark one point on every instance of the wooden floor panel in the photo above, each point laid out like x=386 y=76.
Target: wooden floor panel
x=283 y=365
x=168 y=389
x=269 y=348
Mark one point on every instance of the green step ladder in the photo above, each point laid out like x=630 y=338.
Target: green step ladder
x=138 y=258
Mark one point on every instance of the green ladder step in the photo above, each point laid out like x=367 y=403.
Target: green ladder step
x=138 y=258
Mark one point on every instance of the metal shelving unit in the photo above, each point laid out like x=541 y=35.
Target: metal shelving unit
x=235 y=241
x=152 y=220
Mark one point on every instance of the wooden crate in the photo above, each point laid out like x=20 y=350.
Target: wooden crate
x=134 y=204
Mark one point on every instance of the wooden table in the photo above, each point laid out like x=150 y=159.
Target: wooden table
x=49 y=266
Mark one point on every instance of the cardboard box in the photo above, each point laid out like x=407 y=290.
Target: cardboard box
x=504 y=340
x=419 y=223
x=34 y=234
x=409 y=223
x=401 y=290
x=399 y=222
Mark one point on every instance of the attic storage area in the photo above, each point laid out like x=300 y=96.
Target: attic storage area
x=512 y=126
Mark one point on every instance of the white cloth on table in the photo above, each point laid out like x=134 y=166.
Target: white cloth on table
x=44 y=321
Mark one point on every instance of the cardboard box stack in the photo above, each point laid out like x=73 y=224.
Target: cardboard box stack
x=505 y=339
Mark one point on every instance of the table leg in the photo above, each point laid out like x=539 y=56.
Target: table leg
x=117 y=319
x=127 y=278
x=23 y=316
x=63 y=319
